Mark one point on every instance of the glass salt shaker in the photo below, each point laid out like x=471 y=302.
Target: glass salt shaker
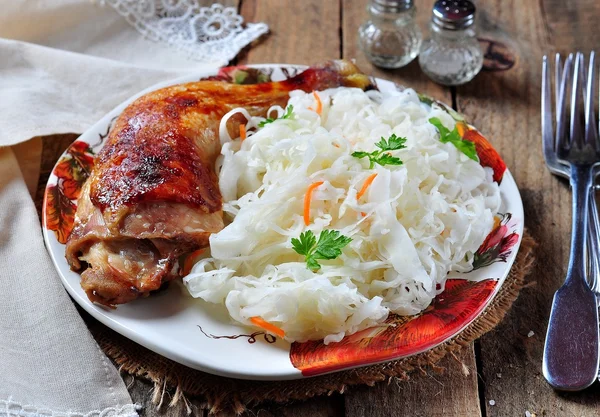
x=452 y=56
x=390 y=37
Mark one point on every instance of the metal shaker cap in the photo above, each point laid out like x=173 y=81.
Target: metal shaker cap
x=453 y=14
x=391 y=6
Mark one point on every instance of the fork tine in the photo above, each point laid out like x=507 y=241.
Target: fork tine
x=576 y=92
x=561 y=125
x=591 y=135
x=547 y=129
x=558 y=71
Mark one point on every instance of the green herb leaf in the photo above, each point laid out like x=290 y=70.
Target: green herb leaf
x=306 y=244
x=383 y=157
x=289 y=112
x=392 y=144
x=425 y=99
x=468 y=148
x=329 y=246
x=440 y=127
x=266 y=122
x=446 y=136
x=312 y=264
x=388 y=159
x=287 y=115
x=360 y=154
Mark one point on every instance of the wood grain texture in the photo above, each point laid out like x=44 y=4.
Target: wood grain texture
x=301 y=32
x=452 y=393
x=29 y=158
x=323 y=406
x=506 y=107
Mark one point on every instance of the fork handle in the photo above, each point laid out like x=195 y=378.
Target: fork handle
x=582 y=181
x=571 y=350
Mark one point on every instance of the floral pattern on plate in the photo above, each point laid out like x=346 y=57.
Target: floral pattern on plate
x=460 y=303
x=72 y=170
x=498 y=245
x=399 y=336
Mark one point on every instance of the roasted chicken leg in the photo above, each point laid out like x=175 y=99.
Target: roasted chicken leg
x=153 y=194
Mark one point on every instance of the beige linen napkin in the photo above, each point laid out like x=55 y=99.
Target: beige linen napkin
x=63 y=65
x=49 y=362
x=46 y=91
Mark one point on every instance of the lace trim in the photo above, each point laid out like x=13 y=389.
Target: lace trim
x=10 y=408
x=208 y=34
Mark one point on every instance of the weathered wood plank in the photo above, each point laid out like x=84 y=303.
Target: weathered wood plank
x=317 y=407
x=29 y=158
x=302 y=32
x=506 y=107
x=453 y=393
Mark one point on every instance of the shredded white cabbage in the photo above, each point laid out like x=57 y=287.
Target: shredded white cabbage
x=421 y=219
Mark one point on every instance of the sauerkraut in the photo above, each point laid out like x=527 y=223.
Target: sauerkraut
x=415 y=223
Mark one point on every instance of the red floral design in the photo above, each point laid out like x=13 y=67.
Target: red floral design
x=399 y=337
x=72 y=171
x=488 y=156
x=59 y=213
x=498 y=245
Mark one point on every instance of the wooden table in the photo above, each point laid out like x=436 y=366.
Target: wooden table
x=499 y=375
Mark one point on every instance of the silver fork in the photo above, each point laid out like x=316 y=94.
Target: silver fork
x=571 y=350
x=562 y=169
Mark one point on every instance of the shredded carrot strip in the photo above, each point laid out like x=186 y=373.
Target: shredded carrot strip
x=319 y=109
x=366 y=185
x=362 y=213
x=307 y=198
x=336 y=145
x=188 y=263
x=243 y=132
x=271 y=328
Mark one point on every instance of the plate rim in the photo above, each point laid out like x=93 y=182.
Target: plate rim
x=284 y=374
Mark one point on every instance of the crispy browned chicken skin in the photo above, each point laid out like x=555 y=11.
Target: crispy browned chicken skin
x=153 y=194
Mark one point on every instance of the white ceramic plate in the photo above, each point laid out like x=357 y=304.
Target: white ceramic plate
x=201 y=336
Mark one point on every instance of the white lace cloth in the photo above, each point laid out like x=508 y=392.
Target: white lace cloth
x=205 y=33
x=12 y=408
x=63 y=65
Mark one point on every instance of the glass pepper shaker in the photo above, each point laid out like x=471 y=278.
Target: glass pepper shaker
x=452 y=56
x=390 y=37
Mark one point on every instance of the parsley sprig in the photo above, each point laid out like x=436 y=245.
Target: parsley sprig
x=383 y=155
x=329 y=246
x=289 y=113
x=446 y=136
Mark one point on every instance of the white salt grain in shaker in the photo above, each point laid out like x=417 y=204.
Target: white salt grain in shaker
x=452 y=56
x=390 y=37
